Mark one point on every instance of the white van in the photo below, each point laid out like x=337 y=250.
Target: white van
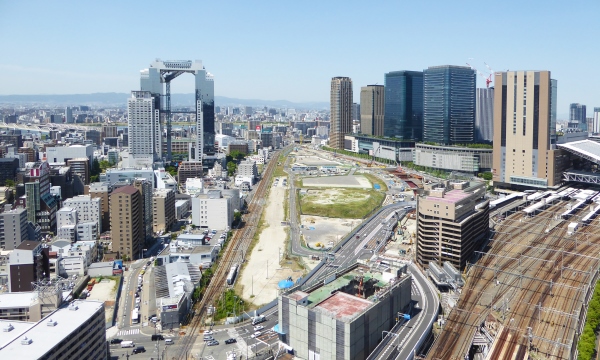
x=127 y=344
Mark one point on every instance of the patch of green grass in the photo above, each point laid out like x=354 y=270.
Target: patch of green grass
x=228 y=303
x=286 y=205
x=376 y=180
x=356 y=204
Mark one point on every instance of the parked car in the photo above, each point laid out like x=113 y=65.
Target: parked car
x=230 y=341
x=116 y=341
x=213 y=343
x=208 y=332
x=139 y=350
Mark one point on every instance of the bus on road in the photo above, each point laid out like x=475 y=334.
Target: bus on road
x=135 y=316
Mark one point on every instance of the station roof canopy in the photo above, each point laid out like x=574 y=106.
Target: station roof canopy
x=587 y=149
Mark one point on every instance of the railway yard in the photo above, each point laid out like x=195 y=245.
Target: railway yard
x=527 y=294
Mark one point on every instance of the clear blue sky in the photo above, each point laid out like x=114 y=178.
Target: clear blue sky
x=291 y=49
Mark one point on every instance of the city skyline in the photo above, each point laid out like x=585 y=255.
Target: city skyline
x=286 y=49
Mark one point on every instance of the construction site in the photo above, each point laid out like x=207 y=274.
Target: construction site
x=527 y=292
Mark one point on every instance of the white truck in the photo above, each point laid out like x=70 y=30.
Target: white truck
x=127 y=344
x=258 y=319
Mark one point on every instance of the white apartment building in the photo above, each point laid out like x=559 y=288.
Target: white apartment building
x=164 y=180
x=212 y=210
x=87 y=231
x=88 y=209
x=248 y=169
x=66 y=216
x=13 y=228
x=61 y=154
x=128 y=174
x=144 y=128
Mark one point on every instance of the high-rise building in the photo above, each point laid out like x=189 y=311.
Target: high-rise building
x=70 y=332
x=372 y=107
x=484 y=115
x=355 y=112
x=577 y=116
x=163 y=210
x=56 y=119
x=89 y=209
x=523 y=154
x=101 y=190
x=13 y=228
x=8 y=169
x=145 y=137
x=28 y=263
x=126 y=221
x=69 y=115
x=452 y=221
x=81 y=168
x=449 y=104
x=109 y=131
x=596 y=121
x=161 y=72
x=144 y=186
x=341 y=111
x=404 y=105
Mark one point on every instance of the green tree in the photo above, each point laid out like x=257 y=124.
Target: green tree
x=231 y=166
x=237 y=216
x=9 y=183
x=94 y=178
x=95 y=167
x=171 y=170
x=104 y=165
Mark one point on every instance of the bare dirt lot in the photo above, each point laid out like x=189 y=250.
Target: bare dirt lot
x=323 y=230
x=262 y=271
x=348 y=181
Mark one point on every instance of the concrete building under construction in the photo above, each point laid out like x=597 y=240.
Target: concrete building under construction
x=343 y=318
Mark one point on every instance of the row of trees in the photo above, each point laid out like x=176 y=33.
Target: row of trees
x=587 y=342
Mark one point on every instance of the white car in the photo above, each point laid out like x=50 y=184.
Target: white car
x=258 y=327
x=256 y=334
x=138 y=300
x=208 y=332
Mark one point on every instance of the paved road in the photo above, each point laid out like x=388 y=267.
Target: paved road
x=403 y=343
x=369 y=238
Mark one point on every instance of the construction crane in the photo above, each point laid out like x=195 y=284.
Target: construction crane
x=373 y=158
x=486 y=77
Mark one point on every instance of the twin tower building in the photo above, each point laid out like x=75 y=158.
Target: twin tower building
x=150 y=107
x=442 y=105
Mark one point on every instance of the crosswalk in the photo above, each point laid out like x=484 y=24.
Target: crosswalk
x=128 y=332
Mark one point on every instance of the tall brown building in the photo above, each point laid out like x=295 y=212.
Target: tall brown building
x=163 y=210
x=372 y=109
x=80 y=167
x=102 y=191
x=127 y=221
x=523 y=154
x=341 y=111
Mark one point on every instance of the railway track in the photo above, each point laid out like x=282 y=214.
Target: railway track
x=546 y=287
x=235 y=251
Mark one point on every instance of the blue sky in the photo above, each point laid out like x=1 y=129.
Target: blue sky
x=291 y=49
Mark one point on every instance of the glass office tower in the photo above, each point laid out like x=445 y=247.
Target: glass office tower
x=404 y=105
x=449 y=104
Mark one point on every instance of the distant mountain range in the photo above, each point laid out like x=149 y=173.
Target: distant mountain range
x=120 y=99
